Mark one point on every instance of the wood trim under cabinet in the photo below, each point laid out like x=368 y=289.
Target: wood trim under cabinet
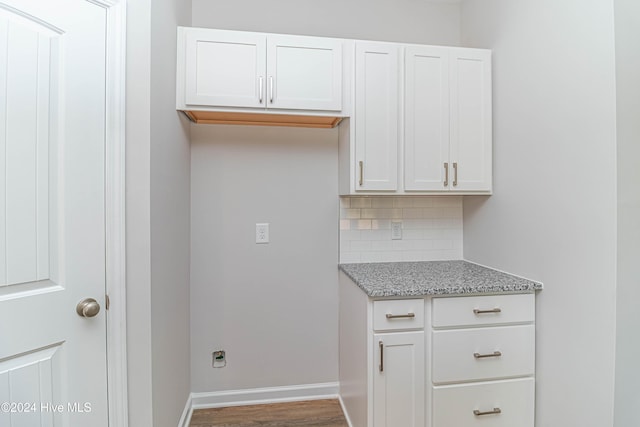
x=259 y=119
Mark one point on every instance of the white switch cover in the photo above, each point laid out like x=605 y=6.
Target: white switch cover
x=262 y=232
x=396 y=230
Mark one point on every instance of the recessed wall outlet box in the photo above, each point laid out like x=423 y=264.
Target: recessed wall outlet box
x=262 y=232
x=396 y=230
x=219 y=359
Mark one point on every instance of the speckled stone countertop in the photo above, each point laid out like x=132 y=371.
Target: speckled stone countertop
x=395 y=279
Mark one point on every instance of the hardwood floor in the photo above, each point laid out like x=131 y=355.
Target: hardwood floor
x=312 y=413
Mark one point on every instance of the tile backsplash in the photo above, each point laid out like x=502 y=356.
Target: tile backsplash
x=431 y=228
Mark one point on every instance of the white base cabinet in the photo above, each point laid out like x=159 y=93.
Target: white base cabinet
x=455 y=361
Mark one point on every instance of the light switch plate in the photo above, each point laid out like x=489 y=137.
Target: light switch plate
x=396 y=230
x=262 y=232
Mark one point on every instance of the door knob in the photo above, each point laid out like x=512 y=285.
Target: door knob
x=88 y=307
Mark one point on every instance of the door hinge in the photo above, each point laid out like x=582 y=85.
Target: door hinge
x=107 y=301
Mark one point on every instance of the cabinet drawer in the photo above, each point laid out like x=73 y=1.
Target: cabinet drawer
x=483 y=310
x=398 y=314
x=483 y=353
x=454 y=406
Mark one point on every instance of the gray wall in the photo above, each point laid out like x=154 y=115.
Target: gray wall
x=157 y=218
x=273 y=307
x=553 y=213
x=627 y=392
x=170 y=216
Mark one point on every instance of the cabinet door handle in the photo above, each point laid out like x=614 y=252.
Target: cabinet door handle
x=261 y=88
x=400 y=316
x=495 y=411
x=271 y=89
x=381 y=345
x=483 y=356
x=446 y=174
x=361 y=163
x=455 y=174
x=493 y=310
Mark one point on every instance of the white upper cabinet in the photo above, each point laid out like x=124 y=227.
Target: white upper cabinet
x=376 y=116
x=426 y=124
x=225 y=69
x=471 y=128
x=304 y=73
x=447 y=119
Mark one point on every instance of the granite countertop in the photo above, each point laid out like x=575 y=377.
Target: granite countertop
x=392 y=279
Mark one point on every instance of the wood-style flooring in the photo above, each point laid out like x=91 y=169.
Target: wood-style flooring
x=313 y=413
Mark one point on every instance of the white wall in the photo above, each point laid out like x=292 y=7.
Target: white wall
x=274 y=307
x=399 y=20
x=157 y=218
x=627 y=393
x=553 y=213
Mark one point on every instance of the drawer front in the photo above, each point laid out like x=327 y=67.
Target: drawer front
x=398 y=314
x=454 y=406
x=483 y=310
x=483 y=353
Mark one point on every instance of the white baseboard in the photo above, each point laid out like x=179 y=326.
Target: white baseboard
x=257 y=396
x=185 y=419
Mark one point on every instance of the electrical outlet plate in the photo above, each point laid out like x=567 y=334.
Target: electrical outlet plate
x=262 y=232
x=396 y=230
x=219 y=359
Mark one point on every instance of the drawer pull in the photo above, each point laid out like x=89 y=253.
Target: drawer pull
x=483 y=356
x=493 y=310
x=381 y=345
x=401 y=316
x=495 y=411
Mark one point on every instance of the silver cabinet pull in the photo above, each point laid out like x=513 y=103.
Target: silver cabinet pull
x=260 y=88
x=381 y=345
x=493 y=310
x=400 y=316
x=361 y=163
x=446 y=174
x=455 y=174
x=271 y=89
x=483 y=356
x=495 y=411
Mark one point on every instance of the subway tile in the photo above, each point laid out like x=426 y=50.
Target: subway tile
x=360 y=202
x=382 y=245
x=403 y=202
x=349 y=235
x=413 y=213
x=413 y=234
x=361 y=245
x=361 y=224
x=345 y=202
x=376 y=235
x=345 y=224
x=382 y=202
x=380 y=224
x=423 y=202
x=350 y=257
x=452 y=212
x=350 y=213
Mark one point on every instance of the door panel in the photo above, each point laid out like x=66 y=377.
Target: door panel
x=52 y=222
x=306 y=73
x=426 y=118
x=225 y=68
x=376 y=107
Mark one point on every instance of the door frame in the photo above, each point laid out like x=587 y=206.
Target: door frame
x=115 y=211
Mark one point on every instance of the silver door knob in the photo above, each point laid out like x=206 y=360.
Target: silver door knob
x=88 y=307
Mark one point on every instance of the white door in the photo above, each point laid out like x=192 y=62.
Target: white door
x=426 y=126
x=398 y=380
x=304 y=73
x=225 y=68
x=52 y=222
x=376 y=105
x=471 y=127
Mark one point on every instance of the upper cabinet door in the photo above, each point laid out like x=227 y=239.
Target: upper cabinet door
x=304 y=73
x=471 y=121
x=225 y=68
x=376 y=117
x=426 y=123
